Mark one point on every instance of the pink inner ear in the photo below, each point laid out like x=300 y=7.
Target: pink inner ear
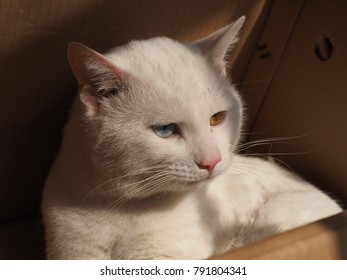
x=85 y=62
x=94 y=73
x=217 y=44
x=78 y=54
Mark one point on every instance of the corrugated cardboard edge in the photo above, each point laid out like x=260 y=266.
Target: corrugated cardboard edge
x=322 y=240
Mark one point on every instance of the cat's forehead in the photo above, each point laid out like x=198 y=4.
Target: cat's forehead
x=179 y=84
x=171 y=68
x=159 y=57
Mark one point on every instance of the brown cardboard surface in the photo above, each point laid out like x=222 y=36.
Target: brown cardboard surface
x=306 y=99
x=323 y=240
x=242 y=52
x=267 y=55
x=22 y=240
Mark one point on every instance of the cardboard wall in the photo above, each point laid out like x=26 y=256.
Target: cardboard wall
x=297 y=99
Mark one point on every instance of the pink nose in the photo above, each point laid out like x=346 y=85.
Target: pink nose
x=210 y=164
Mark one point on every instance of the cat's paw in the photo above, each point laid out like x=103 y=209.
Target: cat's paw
x=288 y=210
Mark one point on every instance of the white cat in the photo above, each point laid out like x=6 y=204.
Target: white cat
x=147 y=167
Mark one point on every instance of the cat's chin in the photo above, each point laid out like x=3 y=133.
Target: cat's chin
x=197 y=185
x=201 y=183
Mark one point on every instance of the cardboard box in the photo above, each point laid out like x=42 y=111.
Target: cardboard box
x=290 y=92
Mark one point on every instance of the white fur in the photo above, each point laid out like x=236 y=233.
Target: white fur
x=118 y=191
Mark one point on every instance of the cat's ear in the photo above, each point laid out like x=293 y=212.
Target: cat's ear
x=96 y=75
x=217 y=45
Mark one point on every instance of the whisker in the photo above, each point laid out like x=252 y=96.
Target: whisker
x=268 y=141
x=245 y=148
x=284 y=164
x=270 y=154
x=151 y=184
x=142 y=171
x=135 y=183
x=254 y=81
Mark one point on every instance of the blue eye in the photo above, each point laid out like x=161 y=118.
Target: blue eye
x=166 y=130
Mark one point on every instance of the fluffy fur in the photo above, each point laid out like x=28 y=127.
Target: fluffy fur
x=118 y=190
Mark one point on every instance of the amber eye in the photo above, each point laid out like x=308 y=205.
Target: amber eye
x=217 y=118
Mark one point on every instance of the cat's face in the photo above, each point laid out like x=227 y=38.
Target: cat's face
x=164 y=116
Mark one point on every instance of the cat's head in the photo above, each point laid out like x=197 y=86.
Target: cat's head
x=163 y=115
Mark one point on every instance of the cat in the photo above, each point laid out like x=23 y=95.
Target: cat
x=148 y=167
